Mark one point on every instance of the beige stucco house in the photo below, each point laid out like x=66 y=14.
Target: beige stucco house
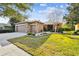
x=36 y=26
x=77 y=27
x=29 y=26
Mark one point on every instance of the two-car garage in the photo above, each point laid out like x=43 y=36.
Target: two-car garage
x=21 y=28
x=32 y=26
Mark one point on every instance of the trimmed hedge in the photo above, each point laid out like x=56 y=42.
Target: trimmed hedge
x=5 y=31
x=65 y=29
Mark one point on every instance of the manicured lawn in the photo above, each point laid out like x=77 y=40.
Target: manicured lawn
x=50 y=45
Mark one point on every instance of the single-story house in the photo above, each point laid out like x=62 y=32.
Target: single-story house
x=4 y=26
x=36 y=26
x=29 y=26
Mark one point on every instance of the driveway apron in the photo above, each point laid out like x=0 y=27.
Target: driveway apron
x=8 y=49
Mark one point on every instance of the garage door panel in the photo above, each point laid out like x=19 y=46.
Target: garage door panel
x=22 y=28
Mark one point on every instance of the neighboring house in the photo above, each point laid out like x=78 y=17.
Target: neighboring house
x=77 y=27
x=4 y=26
x=36 y=26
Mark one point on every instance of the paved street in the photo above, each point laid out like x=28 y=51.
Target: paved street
x=8 y=49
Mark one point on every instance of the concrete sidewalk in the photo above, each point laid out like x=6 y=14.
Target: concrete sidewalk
x=12 y=50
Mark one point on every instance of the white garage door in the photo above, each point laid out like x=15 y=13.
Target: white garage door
x=22 y=28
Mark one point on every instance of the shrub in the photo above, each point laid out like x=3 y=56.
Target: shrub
x=76 y=32
x=67 y=29
x=61 y=30
x=33 y=34
x=30 y=33
x=5 y=31
x=64 y=29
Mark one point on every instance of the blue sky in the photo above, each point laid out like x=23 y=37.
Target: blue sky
x=40 y=11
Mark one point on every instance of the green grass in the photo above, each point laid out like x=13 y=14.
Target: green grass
x=50 y=45
x=29 y=43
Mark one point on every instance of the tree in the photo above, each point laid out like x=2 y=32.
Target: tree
x=15 y=11
x=12 y=21
x=55 y=16
x=73 y=16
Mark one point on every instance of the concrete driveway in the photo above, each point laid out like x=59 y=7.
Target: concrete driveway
x=8 y=49
x=5 y=36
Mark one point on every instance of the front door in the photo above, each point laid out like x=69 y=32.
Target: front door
x=50 y=27
x=33 y=28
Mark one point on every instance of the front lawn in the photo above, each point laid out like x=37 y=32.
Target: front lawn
x=50 y=45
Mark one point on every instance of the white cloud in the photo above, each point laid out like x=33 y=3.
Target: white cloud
x=4 y=19
x=53 y=13
x=43 y=4
x=48 y=10
x=51 y=10
x=33 y=10
x=61 y=6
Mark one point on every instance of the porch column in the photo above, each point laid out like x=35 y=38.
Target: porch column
x=55 y=28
